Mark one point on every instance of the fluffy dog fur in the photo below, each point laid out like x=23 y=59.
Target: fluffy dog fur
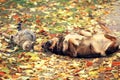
x=98 y=44
x=76 y=45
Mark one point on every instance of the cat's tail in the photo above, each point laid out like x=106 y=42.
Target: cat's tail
x=19 y=26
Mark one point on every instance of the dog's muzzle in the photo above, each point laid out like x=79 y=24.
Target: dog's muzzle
x=47 y=44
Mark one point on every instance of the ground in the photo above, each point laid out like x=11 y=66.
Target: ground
x=48 y=18
x=113 y=18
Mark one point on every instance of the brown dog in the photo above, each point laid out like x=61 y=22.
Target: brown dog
x=98 y=44
x=82 y=45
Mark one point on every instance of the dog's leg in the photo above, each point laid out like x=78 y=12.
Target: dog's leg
x=53 y=43
x=111 y=37
x=97 y=48
x=103 y=26
x=85 y=33
x=72 y=48
x=74 y=41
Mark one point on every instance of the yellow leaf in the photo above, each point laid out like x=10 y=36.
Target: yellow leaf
x=32 y=9
x=29 y=72
x=40 y=64
x=11 y=60
x=93 y=73
x=19 y=6
x=116 y=75
x=25 y=66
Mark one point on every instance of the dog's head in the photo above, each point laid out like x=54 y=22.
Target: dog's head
x=50 y=44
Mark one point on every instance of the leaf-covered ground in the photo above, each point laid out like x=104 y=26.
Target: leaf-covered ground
x=47 y=18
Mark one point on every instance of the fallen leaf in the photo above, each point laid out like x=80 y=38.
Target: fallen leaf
x=14 y=76
x=93 y=73
x=89 y=63
x=115 y=63
x=25 y=66
x=34 y=78
x=108 y=68
x=2 y=73
x=2 y=1
x=118 y=54
x=19 y=70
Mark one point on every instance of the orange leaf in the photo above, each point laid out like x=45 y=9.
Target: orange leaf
x=76 y=71
x=15 y=16
x=19 y=69
x=15 y=76
x=106 y=12
x=53 y=35
x=93 y=7
x=2 y=73
x=2 y=1
x=116 y=63
x=34 y=78
x=38 y=21
x=89 y=63
x=21 y=55
x=3 y=8
x=41 y=31
x=108 y=68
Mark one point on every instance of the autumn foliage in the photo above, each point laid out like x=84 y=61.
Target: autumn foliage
x=50 y=18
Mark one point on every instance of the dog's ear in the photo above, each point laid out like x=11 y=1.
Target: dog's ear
x=48 y=44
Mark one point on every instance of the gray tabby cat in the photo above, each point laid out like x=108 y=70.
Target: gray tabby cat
x=23 y=38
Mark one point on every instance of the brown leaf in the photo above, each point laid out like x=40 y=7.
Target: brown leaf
x=2 y=1
x=3 y=8
x=38 y=21
x=14 y=76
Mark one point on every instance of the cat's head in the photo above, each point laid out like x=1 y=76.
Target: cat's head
x=28 y=45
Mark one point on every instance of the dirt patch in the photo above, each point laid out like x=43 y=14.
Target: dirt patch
x=114 y=17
